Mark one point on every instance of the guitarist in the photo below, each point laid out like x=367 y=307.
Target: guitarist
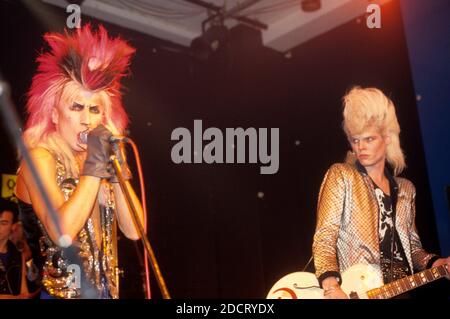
x=365 y=213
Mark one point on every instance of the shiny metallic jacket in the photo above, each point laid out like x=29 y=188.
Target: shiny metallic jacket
x=348 y=217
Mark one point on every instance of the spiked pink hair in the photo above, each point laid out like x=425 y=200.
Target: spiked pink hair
x=91 y=59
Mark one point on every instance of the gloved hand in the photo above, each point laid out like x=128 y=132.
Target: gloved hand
x=98 y=153
x=119 y=151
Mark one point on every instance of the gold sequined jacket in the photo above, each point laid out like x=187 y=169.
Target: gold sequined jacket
x=347 y=221
x=87 y=270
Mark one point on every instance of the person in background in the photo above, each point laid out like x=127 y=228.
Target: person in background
x=13 y=282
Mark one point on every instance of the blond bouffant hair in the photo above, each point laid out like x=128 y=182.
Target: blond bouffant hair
x=367 y=107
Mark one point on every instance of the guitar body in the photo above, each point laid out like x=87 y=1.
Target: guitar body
x=361 y=278
x=296 y=285
x=304 y=285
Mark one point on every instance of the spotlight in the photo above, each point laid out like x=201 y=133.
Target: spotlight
x=310 y=5
x=210 y=42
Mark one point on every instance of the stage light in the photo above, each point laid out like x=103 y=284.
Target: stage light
x=210 y=42
x=310 y=5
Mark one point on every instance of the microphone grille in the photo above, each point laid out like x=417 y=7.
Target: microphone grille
x=84 y=136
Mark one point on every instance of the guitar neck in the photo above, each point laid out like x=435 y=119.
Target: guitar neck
x=403 y=285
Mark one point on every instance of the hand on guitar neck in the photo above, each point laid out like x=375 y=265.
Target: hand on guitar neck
x=443 y=261
x=332 y=289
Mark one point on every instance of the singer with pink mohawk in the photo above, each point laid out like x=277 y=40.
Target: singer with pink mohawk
x=74 y=107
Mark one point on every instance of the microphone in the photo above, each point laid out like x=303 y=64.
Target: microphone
x=117 y=149
x=83 y=136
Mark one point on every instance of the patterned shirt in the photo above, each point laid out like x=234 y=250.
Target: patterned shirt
x=392 y=256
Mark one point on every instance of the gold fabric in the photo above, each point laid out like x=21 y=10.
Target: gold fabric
x=98 y=264
x=347 y=222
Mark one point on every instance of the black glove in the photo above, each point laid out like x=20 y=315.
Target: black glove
x=119 y=150
x=98 y=153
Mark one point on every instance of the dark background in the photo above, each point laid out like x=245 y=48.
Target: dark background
x=213 y=236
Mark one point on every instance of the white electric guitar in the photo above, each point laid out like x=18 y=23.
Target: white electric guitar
x=358 y=282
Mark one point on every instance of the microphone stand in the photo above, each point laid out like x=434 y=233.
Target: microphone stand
x=124 y=185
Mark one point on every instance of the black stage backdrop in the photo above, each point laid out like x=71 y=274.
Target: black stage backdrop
x=224 y=230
